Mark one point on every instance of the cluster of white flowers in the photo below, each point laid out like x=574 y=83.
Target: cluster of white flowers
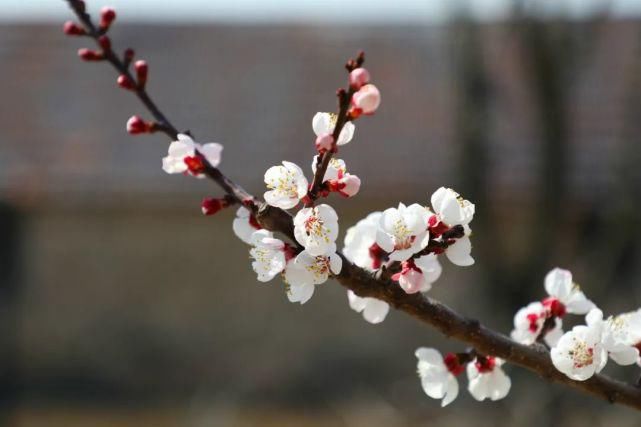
x=564 y=296
x=486 y=378
x=408 y=240
x=584 y=351
x=403 y=234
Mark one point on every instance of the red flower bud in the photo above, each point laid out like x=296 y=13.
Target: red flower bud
x=72 y=29
x=136 y=125
x=107 y=16
x=141 y=72
x=129 y=54
x=125 y=82
x=213 y=206
x=90 y=55
x=105 y=43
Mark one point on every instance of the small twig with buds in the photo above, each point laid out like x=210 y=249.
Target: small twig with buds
x=352 y=103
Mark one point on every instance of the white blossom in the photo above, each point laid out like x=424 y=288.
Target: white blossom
x=373 y=310
x=451 y=208
x=335 y=169
x=316 y=228
x=324 y=123
x=436 y=379
x=579 y=353
x=360 y=240
x=268 y=254
x=337 y=177
x=306 y=271
x=487 y=379
x=403 y=231
x=287 y=185
x=620 y=335
x=184 y=147
x=559 y=285
x=528 y=324
x=245 y=225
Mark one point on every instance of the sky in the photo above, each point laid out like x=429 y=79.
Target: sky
x=350 y=11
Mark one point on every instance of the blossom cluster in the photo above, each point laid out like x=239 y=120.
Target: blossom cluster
x=486 y=378
x=585 y=349
x=410 y=238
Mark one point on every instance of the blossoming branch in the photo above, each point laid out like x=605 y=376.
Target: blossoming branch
x=390 y=258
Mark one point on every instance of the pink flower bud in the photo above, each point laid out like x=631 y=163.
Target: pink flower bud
x=141 y=72
x=107 y=16
x=325 y=142
x=358 y=77
x=105 y=43
x=350 y=184
x=366 y=100
x=213 y=206
x=410 y=278
x=136 y=125
x=125 y=82
x=90 y=55
x=72 y=29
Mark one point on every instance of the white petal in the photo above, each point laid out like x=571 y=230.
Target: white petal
x=375 y=310
x=356 y=303
x=347 y=133
x=212 y=152
x=558 y=283
x=459 y=252
x=300 y=294
x=452 y=391
x=335 y=263
x=321 y=123
x=625 y=356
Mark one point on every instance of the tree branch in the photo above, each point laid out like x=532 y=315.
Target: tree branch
x=484 y=340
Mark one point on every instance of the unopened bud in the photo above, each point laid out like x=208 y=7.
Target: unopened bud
x=141 y=72
x=72 y=29
x=107 y=16
x=325 y=142
x=366 y=100
x=358 y=78
x=213 y=206
x=90 y=55
x=125 y=82
x=136 y=125
x=350 y=185
x=129 y=54
x=105 y=43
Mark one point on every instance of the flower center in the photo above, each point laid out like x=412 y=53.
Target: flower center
x=485 y=364
x=285 y=184
x=315 y=226
x=403 y=238
x=582 y=355
x=319 y=267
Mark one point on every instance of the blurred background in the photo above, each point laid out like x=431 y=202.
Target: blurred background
x=121 y=305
